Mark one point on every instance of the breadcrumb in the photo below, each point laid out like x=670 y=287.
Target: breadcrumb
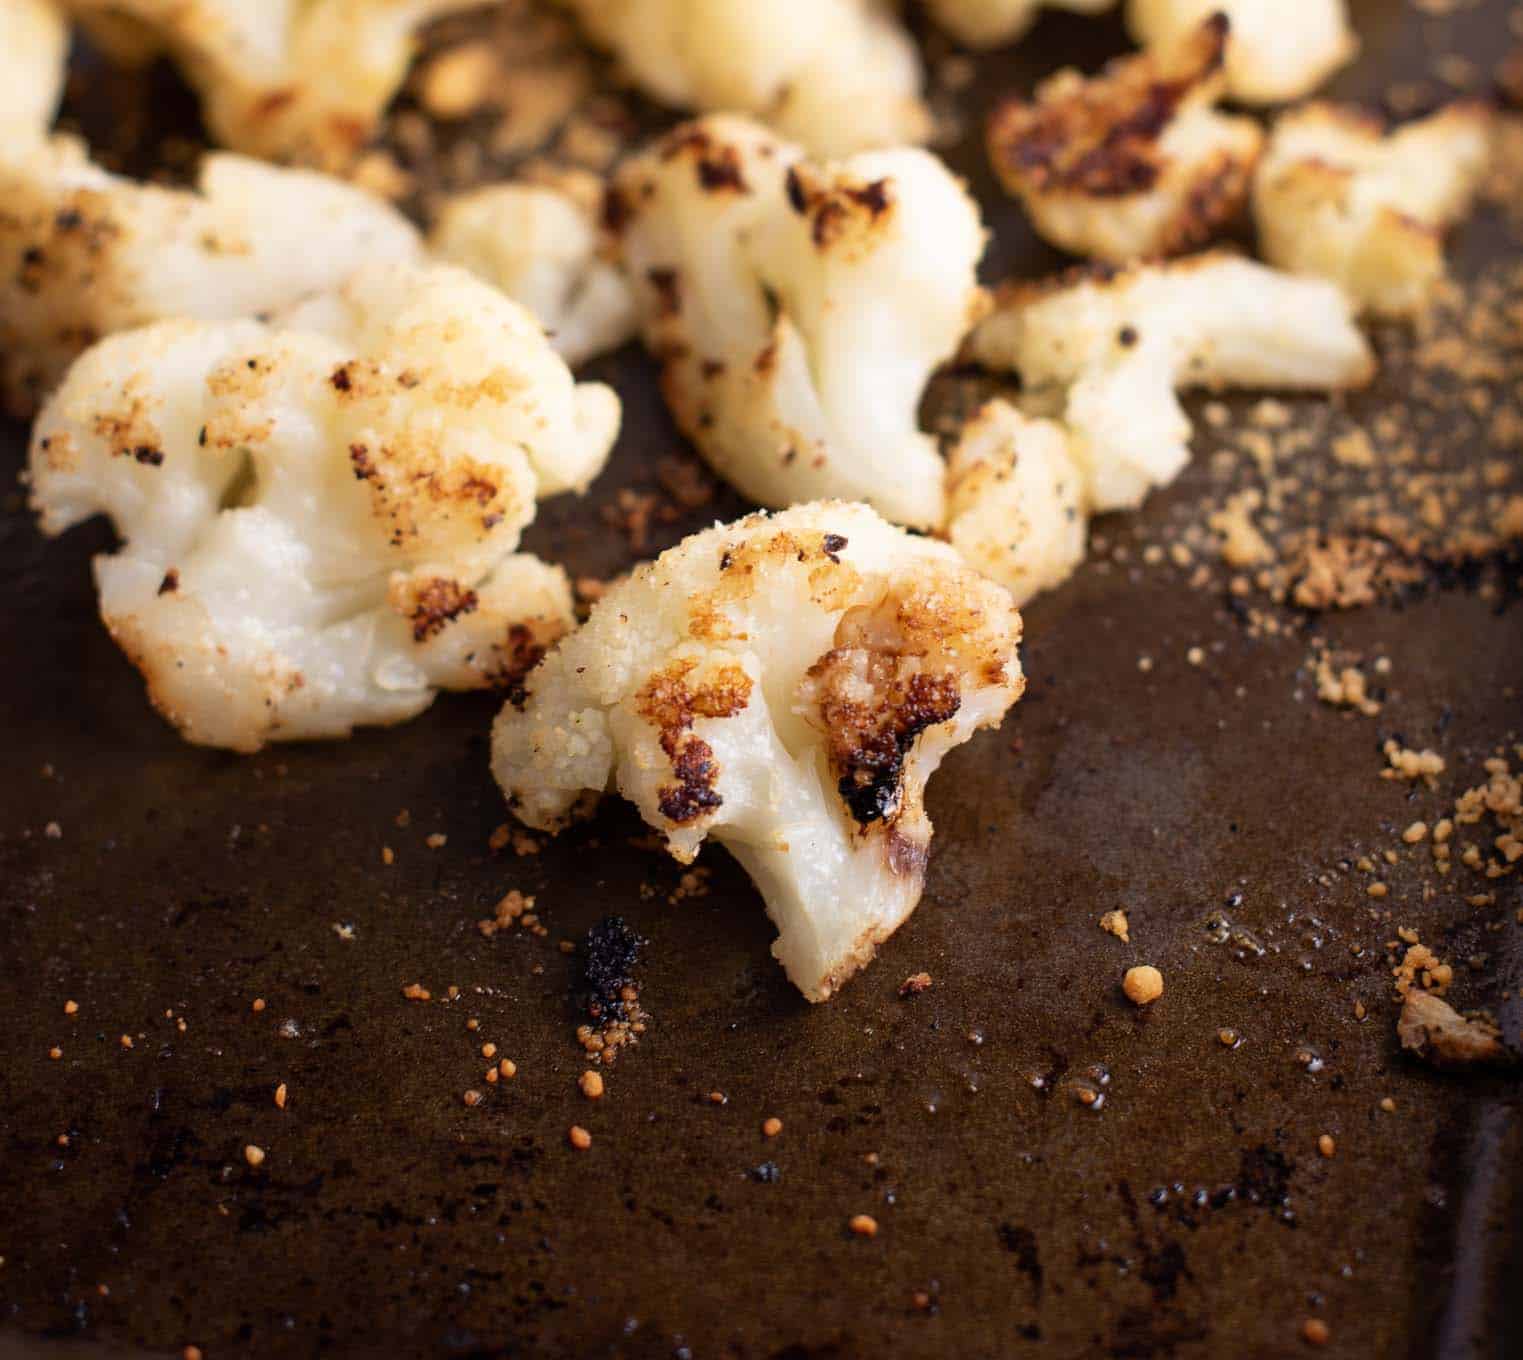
x=863 y=1225
x=1143 y=985
x=253 y=1154
x=579 y=1138
x=591 y=1084
x=771 y=1127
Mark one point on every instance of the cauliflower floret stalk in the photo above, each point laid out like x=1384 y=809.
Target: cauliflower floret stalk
x=1017 y=506
x=32 y=59
x=1135 y=161
x=1279 y=51
x=84 y=253
x=303 y=80
x=1340 y=198
x=539 y=244
x=798 y=309
x=1109 y=349
x=319 y=516
x=992 y=23
x=837 y=75
x=786 y=685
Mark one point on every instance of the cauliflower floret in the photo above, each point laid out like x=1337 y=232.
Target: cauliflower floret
x=1280 y=49
x=1339 y=198
x=1109 y=349
x=1133 y=162
x=836 y=75
x=992 y=23
x=302 y=80
x=319 y=517
x=1016 y=504
x=540 y=246
x=32 y=57
x=798 y=309
x=84 y=253
x=786 y=684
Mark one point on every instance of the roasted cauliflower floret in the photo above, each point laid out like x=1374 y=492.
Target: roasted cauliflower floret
x=1279 y=51
x=1016 y=503
x=798 y=308
x=303 y=80
x=786 y=685
x=1133 y=162
x=837 y=75
x=319 y=517
x=540 y=246
x=1109 y=349
x=84 y=253
x=32 y=56
x=992 y=23
x=1340 y=198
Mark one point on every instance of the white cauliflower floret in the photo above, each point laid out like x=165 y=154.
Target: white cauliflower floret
x=1135 y=161
x=84 y=253
x=33 y=51
x=1016 y=503
x=787 y=685
x=798 y=309
x=319 y=517
x=1340 y=198
x=837 y=75
x=540 y=246
x=302 y=80
x=1110 y=349
x=992 y=23
x=1280 y=49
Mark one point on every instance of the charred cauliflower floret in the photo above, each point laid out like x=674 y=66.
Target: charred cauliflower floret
x=84 y=253
x=1017 y=509
x=786 y=685
x=540 y=246
x=33 y=51
x=1279 y=50
x=1134 y=162
x=837 y=75
x=1109 y=350
x=319 y=517
x=303 y=80
x=992 y=23
x=1339 y=198
x=798 y=309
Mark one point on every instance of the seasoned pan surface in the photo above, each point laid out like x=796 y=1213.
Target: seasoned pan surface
x=1052 y=1171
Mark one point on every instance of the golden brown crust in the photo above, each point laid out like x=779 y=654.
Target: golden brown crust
x=670 y=703
x=1100 y=137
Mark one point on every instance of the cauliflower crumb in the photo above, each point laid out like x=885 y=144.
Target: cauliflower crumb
x=282 y=81
x=1110 y=348
x=1116 y=923
x=798 y=309
x=1433 y=1029
x=1339 y=198
x=1135 y=161
x=786 y=684
x=837 y=75
x=1016 y=506
x=539 y=245
x=993 y=23
x=84 y=254
x=319 y=515
x=1273 y=56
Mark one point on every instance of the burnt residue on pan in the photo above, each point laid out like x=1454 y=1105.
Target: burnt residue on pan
x=1052 y=1170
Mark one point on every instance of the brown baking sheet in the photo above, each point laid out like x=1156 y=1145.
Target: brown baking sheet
x=1187 y=1213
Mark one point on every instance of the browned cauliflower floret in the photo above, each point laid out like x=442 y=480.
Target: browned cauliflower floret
x=1135 y=161
x=302 y=80
x=786 y=685
x=799 y=308
x=1339 y=197
x=319 y=516
x=84 y=253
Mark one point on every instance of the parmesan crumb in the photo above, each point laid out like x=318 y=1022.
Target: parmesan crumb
x=71 y=1008
x=1115 y=923
x=1143 y=985
x=863 y=1225
x=771 y=1127
x=579 y=1138
x=416 y=991
x=1315 y=1331
x=280 y=1096
x=1326 y=1145
x=591 y=1084
x=253 y=1155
